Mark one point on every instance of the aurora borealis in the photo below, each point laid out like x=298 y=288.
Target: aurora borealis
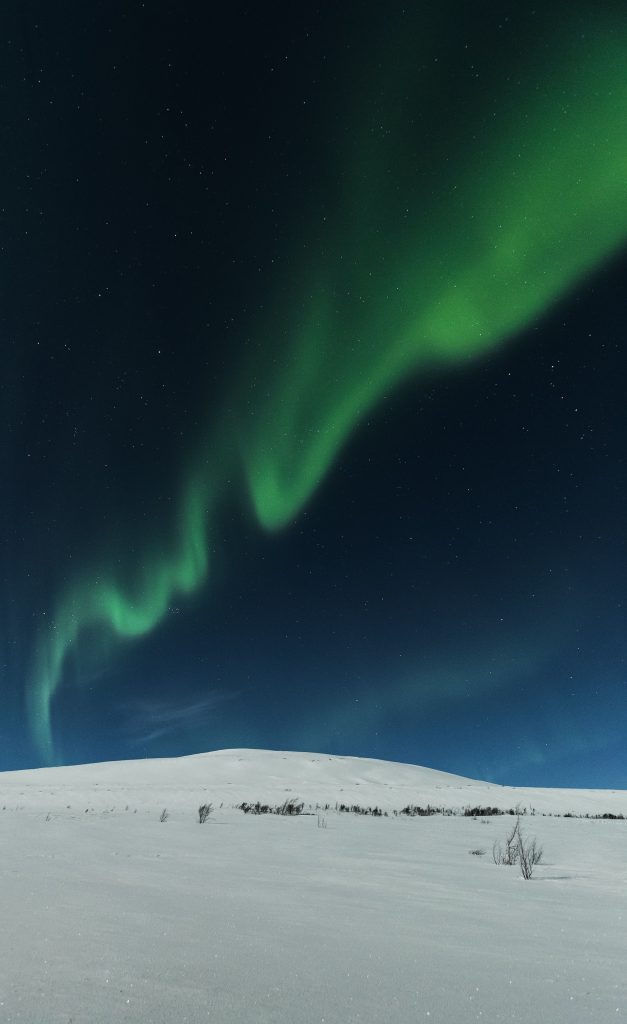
x=311 y=406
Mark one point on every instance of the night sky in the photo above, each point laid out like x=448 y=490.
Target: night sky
x=312 y=415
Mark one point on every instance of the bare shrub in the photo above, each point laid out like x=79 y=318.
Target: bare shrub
x=257 y=808
x=508 y=854
x=290 y=807
x=374 y=812
x=164 y=815
x=518 y=850
x=481 y=812
x=477 y=853
x=203 y=812
x=415 y=810
x=529 y=855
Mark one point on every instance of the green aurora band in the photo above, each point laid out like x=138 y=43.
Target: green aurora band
x=400 y=279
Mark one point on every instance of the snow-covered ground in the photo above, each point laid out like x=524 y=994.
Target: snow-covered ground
x=111 y=915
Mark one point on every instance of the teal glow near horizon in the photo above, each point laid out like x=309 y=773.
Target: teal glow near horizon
x=387 y=293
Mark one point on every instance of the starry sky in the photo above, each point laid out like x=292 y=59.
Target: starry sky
x=312 y=424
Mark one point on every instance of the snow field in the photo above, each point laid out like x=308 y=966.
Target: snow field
x=114 y=917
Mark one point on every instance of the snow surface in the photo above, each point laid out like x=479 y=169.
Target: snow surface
x=113 y=916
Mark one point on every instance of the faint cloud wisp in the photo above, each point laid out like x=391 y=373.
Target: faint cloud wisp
x=147 y=719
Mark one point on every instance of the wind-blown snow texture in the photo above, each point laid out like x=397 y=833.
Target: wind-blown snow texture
x=112 y=916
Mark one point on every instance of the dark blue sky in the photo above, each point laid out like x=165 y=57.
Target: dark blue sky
x=452 y=593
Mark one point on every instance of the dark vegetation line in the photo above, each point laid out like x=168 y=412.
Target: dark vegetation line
x=293 y=807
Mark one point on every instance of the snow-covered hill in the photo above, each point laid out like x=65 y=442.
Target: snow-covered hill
x=231 y=776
